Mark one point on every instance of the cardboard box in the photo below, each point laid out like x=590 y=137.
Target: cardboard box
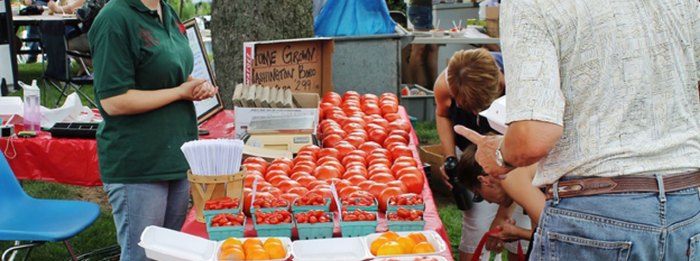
x=308 y=106
x=304 y=65
x=492 y=15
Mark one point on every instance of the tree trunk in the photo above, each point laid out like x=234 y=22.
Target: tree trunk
x=237 y=21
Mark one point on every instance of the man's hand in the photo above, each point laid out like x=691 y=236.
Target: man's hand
x=445 y=179
x=486 y=150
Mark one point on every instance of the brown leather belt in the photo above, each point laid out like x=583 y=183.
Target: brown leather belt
x=600 y=185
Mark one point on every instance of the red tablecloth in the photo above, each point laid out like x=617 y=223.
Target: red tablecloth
x=74 y=161
x=430 y=214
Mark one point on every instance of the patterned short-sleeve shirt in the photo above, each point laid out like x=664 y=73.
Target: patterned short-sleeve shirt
x=620 y=76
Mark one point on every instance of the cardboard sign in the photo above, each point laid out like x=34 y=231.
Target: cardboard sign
x=302 y=65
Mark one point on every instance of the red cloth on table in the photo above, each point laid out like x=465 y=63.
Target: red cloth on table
x=74 y=161
x=430 y=214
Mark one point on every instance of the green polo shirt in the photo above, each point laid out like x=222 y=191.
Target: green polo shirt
x=132 y=49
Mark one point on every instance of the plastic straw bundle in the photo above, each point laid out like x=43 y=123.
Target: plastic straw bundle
x=214 y=157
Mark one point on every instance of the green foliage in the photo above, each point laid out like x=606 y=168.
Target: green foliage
x=188 y=9
x=427 y=133
x=203 y=9
x=29 y=72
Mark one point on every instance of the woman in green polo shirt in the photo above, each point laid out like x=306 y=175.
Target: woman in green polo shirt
x=142 y=63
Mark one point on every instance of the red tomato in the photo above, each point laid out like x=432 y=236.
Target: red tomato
x=346 y=191
x=332 y=98
x=354 y=140
x=310 y=148
x=377 y=188
x=378 y=169
x=381 y=122
x=351 y=95
x=255 y=160
x=414 y=183
x=398 y=166
x=401 y=133
x=275 y=181
x=344 y=147
x=371 y=108
x=331 y=140
x=386 y=194
x=327 y=159
x=305 y=168
x=356 y=120
x=304 y=179
x=377 y=135
x=325 y=172
x=400 y=124
x=298 y=190
x=369 y=97
x=395 y=138
x=408 y=170
x=399 y=151
x=409 y=160
x=380 y=161
x=287 y=184
x=369 y=147
x=398 y=184
x=355 y=170
x=356 y=179
x=354 y=158
x=357 y=152
x=382 y=178
x=274 y=173
x=387 y=108
x=304 y=156
x=365 y=185
x=289 y=197
x=254 y=167
x=391 y=117
x=285 y=168
x=328 y=152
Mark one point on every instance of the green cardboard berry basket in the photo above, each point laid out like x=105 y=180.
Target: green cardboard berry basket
x=221 y=233
x=315 y=230
x=371 y=208
x=273 y=230
x=357 y=228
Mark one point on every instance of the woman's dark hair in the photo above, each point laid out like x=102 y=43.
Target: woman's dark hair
x=468 y=169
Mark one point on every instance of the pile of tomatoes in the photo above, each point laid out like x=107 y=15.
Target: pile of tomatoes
x=269 y=201
x=221 y=203
x=272 y=218
x=404 y=214
x=358 y=215
x=227 y=219
x=311 y=199
x=312 y=217
x=365 y=149
x=357 y=198
x=407 y=199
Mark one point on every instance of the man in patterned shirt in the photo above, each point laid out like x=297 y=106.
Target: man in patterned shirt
x=604 y=95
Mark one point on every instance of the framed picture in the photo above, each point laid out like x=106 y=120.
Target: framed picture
x=202 y=69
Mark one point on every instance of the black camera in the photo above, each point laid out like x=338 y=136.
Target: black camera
x=462 y=197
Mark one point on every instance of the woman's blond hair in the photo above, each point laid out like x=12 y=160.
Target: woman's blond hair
x=473 y=79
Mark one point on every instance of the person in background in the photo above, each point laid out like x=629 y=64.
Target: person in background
x=510 y=218
x=33 y=33
x=422 y=61
x=77 y=40
x=615 y=127
x=472 y=80
x=145 y=94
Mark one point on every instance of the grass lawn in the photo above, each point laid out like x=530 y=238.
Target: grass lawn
x=102 y=233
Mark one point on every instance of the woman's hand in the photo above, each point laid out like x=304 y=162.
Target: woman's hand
x=509 y=232
x=205 y=91
x=187 y=88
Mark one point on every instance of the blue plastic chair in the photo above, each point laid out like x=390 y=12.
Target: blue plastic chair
x=37 y=221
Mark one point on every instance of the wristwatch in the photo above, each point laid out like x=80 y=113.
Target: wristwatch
x=499 y=158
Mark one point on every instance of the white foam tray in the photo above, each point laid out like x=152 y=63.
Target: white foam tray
x=433 y=238
x=357 y=248
x=164 y=244
x=496 y=114
x=330 y=249
x=410 y=258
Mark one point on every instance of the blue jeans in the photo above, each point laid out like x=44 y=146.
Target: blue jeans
x=624 y=226
x=136 y=206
